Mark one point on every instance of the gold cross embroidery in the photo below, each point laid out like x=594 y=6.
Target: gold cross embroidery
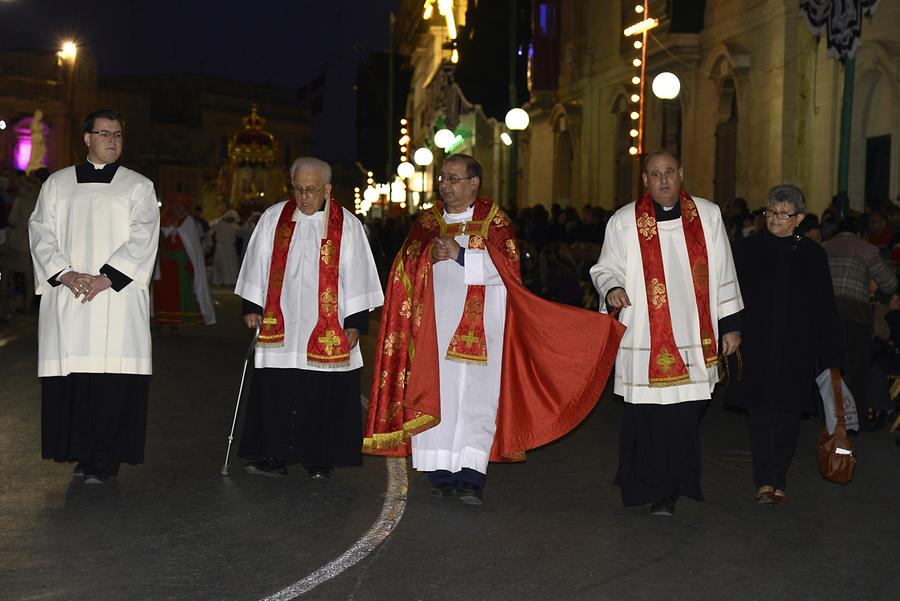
x=665 y=360
x=469 y=339
x=329 y=340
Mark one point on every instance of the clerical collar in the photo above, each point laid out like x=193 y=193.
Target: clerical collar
x=92 y=173
x=667 y=213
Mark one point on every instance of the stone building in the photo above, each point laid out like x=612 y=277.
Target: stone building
x=760 y=102
x=178 y=128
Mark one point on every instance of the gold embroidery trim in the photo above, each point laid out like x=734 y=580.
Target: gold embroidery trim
x=389 y=440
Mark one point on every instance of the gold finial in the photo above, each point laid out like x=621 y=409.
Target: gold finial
x=253 y=121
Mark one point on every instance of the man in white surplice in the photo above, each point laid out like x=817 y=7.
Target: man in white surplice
x=301 y=410
x=93 y=239
x=659 y=452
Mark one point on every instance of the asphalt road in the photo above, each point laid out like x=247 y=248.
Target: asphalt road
x=551 y=528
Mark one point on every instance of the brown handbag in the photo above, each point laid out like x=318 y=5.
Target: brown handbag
x=837 y=457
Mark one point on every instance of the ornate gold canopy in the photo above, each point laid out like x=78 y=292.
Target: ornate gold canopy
x=253 y=144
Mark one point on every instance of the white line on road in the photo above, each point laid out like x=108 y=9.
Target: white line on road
x=391 y=512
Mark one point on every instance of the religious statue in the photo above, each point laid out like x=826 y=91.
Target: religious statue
x=38 y=148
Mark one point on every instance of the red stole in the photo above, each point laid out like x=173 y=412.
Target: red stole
x=666 y=367
x=550 y=376
x=327 y=345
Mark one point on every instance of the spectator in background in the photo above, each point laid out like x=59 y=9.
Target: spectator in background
x=854 y=263
x=17 y=259
x=790 y=326
x=225 y=260
x=880 y=232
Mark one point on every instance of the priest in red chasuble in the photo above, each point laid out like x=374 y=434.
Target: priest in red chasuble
x=470 y=367
x=309 y=280
x=666 y=267
x=180 y=290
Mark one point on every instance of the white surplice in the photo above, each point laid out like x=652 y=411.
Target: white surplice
x=620 y=266
x=225 y=256
x=470 y=393
x=188 y=231
x=84 y=226
x=359 y=288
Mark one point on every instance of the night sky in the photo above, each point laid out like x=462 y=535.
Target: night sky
x=283 y=42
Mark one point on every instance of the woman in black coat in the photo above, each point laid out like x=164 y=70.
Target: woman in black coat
x=790 y=332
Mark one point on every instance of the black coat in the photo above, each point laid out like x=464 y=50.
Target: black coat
x=790 y=329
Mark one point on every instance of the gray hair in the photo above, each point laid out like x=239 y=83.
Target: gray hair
x=311 y=163
x=789 y=194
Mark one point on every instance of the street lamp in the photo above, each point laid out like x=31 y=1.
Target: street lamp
x=666 y=86
x=68 y=51
x=423 y=157
x=516 y=120
x=444 y=138
x=406 y=170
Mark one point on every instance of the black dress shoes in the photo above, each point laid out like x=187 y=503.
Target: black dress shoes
x=266 y=467
x=443 y=490
x=665 y=506
x=471 y=494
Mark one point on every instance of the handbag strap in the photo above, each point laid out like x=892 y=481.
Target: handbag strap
x=840 y=418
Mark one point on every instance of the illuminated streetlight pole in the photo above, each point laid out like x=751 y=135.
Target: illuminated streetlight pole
x=67 y=54
x=423 y=157
x=516 y=120
x=641 y=28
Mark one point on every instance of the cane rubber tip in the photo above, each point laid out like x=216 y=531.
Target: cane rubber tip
x=225 y=470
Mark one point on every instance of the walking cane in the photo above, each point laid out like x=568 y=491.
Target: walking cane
x=237 y=404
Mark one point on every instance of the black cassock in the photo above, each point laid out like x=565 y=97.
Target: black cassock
x=790 y=332
x=305 y=416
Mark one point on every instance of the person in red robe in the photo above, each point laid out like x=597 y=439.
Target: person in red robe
x=180 y=292
x=553 y=363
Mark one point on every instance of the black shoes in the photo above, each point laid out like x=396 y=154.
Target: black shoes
x=665 y=506
x=93 y=476
x=471 y=495
x=318 y=473
x=443 y=490
x=266 y=467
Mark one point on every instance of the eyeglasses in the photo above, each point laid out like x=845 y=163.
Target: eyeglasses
x=108 y=135
x=780 y=216
x=452 y=179
x=307 y=191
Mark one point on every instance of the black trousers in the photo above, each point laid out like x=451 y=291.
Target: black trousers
x=99 y=420
x=857 y=359
x=773 y=440
x=457 y=479
x=659 y=452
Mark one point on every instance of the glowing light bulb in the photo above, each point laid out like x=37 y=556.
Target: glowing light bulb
x=636 y=62
x=632 y=151
x=635 y=97
x=639 y=9
x=634 y=115
x=638 y=44
x=633 y=133
x=635 y=80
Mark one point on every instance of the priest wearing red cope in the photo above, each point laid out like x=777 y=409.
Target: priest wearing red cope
x=309 y=278
x=470 y=367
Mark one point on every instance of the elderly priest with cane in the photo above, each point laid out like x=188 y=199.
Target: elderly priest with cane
x=308 y=281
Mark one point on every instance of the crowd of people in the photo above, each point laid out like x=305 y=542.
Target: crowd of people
x=668 y=290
